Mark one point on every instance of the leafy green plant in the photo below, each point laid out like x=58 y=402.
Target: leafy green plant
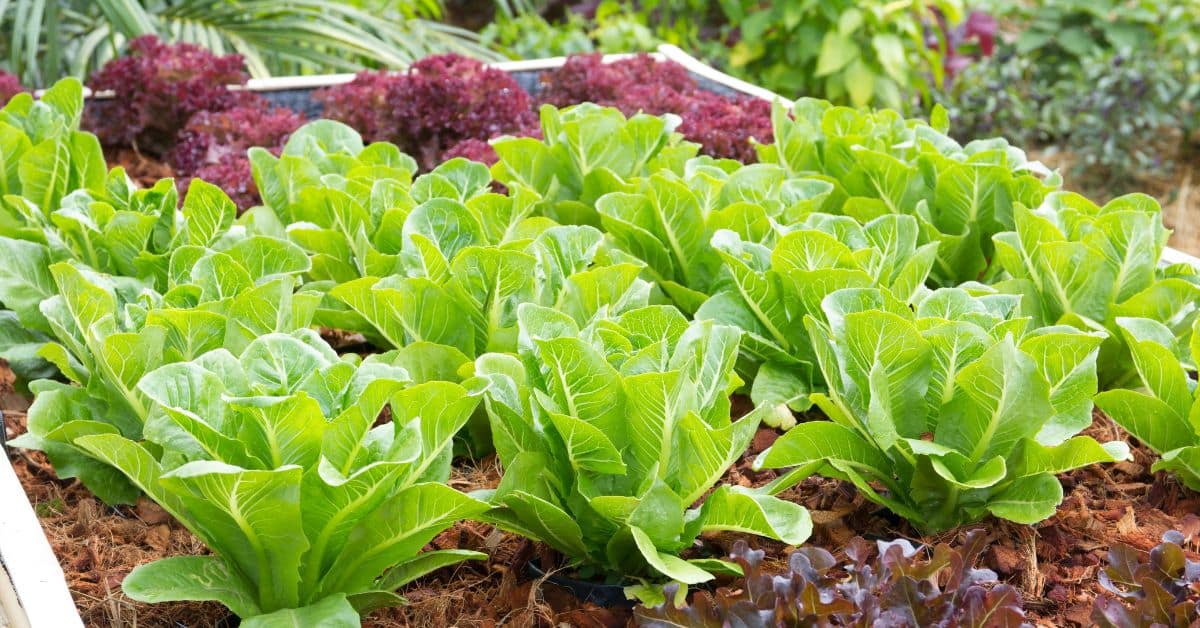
x=465 y=278
x=1064 y=35
x=45 y=155
x=110 y=331
x=1080 y=264
x=861 y=53
x=45 y=39
x=1015 y=96
x=770 y=288
x=953 y=591
x=1161 y=591
x=880 y=163
x=272 y=459
x=1160 y=408
x=587 y=152
x=668 y=221
x=611 y=432
x=947 y=414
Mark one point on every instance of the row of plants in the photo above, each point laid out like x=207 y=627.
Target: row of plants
x=585 y=307
x=883 y=582
x=1050 y=75
x=179 y=103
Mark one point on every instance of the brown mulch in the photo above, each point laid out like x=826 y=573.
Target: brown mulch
x=143 y=169
x=1054 y=563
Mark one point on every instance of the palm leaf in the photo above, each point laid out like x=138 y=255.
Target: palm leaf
x=41 y=40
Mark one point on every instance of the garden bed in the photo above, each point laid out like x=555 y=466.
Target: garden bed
x=1054 y=563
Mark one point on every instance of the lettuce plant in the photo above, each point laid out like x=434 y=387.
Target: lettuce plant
x=588 y=151
x=879 y=591
x=1079 y=264
x=1162 y=410
x=45 y=155
x=611 y=433
x=722 y=125
x=157 y=88
x=435 y=104
x=769 y=288
x=1161 y=591
x=273 y=460
x=110 y=331
x=110 y=227
x=457 y=275
x=947 y=414
x=668 y=220
x=324 y=152
x=881 y=163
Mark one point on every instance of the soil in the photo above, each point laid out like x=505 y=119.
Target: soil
x=143 y=169
x=1054 y=563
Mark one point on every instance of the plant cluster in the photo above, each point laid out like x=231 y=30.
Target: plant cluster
x=212 y=145
x=428 y=109
x=314 y=515
x=942 y=305
x=449 y=106
x=611 y=431
x=957 y=410
x=1161 y=591
x=874 y=53
x=1073 y=68
x=891 y=584
x=723 y=126
x=157 y=88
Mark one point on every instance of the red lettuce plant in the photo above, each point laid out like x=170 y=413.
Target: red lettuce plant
x=1161 y=591
x=586 y=78
x=723 y=126
x=438 y=103
x=903 y=586
x=213 y=145
x=157 y=88
x=10 y=86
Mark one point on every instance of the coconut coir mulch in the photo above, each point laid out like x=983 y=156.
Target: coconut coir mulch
x=1053 y=563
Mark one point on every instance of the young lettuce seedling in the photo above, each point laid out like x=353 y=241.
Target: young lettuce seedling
x=314 y=514
x=611 y=432
x=947 y=414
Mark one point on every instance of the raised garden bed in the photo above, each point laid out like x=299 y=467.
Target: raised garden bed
x=1053 y=564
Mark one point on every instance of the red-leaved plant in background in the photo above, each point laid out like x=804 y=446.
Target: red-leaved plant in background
x=157 y=87
x=438 y=103
x=213 y=144
x=10 y=86
x=723 y=126
x=967 y=42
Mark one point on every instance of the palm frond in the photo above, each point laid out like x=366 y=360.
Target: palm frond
x=41 y=40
